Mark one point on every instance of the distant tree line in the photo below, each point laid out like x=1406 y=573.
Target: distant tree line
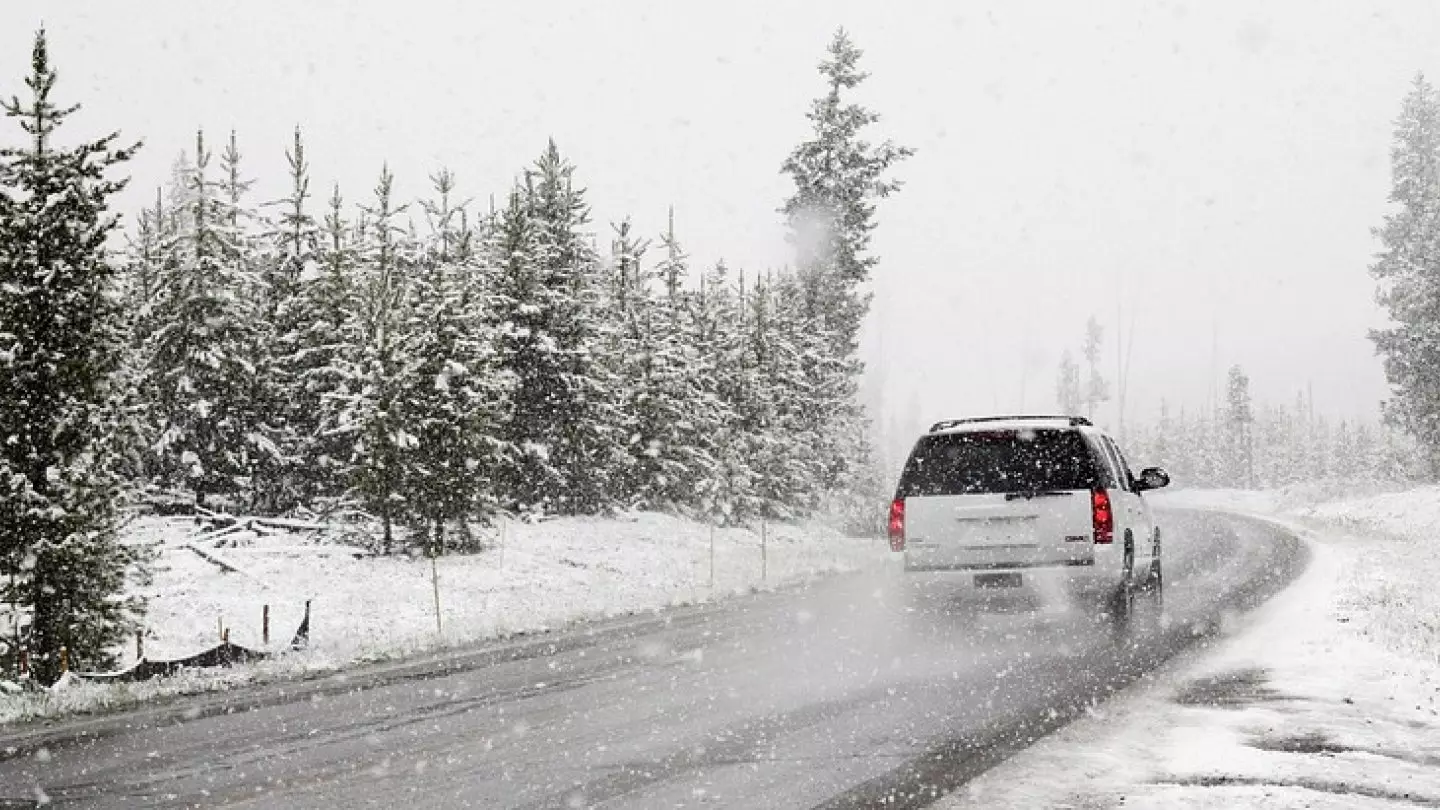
x=1247 y=446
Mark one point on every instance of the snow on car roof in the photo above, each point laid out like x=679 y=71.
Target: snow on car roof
x=1008 y=423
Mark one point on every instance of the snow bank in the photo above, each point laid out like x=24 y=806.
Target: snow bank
x=1326 y=697
x=1273 y=501
x=537 y=577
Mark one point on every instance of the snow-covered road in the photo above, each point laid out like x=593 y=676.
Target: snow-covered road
x=821 y=697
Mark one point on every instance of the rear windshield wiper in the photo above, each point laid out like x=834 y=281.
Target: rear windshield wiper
x=1036 y=493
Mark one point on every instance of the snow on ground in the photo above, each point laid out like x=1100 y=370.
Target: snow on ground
x=541 y=576
x=1328 y=696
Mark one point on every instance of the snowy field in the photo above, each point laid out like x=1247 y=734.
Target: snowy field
x=1326 y=697
x=537 y=577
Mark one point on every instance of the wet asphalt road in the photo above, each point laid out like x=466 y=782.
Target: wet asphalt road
x=832 y=696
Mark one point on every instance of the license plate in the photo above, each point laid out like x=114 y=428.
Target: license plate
x=1006 y=580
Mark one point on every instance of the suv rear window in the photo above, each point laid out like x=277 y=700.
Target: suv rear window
x=999 y=461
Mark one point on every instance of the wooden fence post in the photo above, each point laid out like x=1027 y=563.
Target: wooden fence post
x=435 y=583
x=764 y=554
x=265 y=625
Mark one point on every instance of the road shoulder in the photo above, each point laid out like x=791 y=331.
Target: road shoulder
x=1294 y=705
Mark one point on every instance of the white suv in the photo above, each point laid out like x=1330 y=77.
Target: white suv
x=1002 y=499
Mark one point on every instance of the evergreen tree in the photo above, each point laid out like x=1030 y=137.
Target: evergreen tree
x=1239 y=417
x=564 y=418
x=632 y=352
x=372 y=412
x=61 y=337
x=266 y=397
x=1408 y=271
x=838 y=177
x=726 y=489
x=201 y=355
x=1162 y=446
x=683 y=411
x=306 y=314
x=325 y=363
x=454 y=398
x=1067 y=385
x=1097 y=390
x=780 y=437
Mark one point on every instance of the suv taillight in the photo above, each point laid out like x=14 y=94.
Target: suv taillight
x=897 y=524
x=1102 y=516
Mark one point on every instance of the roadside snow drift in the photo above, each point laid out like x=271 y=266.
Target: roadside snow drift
x=1326 y=697
x=533 y=577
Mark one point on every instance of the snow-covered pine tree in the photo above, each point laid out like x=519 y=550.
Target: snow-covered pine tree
x=61 y=564
x=830 y=430
x=564 y=417
x=687 y=412
x=838 y=177
x=144 y=271
x=266 y=400
x=1162 y=443
x=454 y=397
x=1269 y=437
x=1322 y=449
x=1365 y=454
x=1345 y=461
x=782 y=437
x=301 y=342
x=201 y=372
x=1067 y=385
x=1408 y=272
x=631 y=349
x=1097 y=390
x=528 y=352
x=326 y=358
x=372 y=415
x=1239 y=420
x=714 y=321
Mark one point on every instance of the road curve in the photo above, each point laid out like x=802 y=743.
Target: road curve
x=826 y=697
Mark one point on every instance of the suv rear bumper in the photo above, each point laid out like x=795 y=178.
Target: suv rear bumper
x=997 y=567
x=1101 y=569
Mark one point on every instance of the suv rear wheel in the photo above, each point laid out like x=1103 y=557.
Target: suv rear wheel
x=1122 y=601
x=1155 y=582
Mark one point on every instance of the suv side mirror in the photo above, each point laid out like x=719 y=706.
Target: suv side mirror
x=1153 y=478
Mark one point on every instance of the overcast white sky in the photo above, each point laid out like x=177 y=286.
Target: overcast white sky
x=1216 y=165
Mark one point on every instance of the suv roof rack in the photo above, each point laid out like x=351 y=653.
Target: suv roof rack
x=1074 y=421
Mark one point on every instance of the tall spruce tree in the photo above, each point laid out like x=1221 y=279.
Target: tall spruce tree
x=1239 y=419
x=564 y=420
x=1408 y=271
x=679 y=411
x=61 y=338
x=372 y=407
x=1067 y=385
x=325 y=361
x=455 y=397
x=1097 y=390
x=302 y=338
x=201 y=353
x=726 y=488
x=838 y=177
